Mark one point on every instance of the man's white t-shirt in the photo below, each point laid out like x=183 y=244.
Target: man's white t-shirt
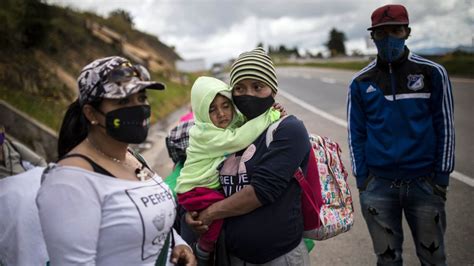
x=93 y=219
x=21 y=239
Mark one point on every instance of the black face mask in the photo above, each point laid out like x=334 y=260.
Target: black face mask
x=128 y=124
x=253 y=106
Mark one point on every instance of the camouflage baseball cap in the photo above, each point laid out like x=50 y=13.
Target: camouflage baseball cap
x=113 y=78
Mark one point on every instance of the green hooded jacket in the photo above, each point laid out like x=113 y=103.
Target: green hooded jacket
x=208 y=144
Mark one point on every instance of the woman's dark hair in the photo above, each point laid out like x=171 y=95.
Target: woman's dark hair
x=74 y=128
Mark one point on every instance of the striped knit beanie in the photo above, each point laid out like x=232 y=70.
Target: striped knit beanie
x=255 y=64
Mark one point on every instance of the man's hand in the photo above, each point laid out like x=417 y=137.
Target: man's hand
x=192 y=219
x=184 y=255
x=205 y=217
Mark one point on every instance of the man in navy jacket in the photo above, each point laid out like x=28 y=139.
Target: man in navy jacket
x=401 y=140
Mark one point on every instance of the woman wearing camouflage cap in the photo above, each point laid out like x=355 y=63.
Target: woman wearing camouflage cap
x=101 y=204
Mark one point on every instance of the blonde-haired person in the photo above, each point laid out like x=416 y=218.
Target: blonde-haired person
x=101 y=204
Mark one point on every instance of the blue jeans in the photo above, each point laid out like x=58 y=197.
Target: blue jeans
x=382 y=203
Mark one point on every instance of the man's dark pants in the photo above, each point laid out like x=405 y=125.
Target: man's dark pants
x=382 y=203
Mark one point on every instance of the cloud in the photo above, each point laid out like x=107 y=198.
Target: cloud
x=220 y=29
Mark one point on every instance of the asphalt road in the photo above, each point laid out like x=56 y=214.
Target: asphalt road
x=318 y=97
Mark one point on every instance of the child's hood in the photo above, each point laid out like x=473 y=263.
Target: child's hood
x=203 y=92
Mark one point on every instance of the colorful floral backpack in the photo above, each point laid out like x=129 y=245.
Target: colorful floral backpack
x=326 y=199
x=337 y=211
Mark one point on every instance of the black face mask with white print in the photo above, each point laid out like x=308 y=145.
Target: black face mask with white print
x=253 y=106
x=128 y=124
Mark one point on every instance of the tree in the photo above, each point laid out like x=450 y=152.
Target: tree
x=357 y=52
x=335 y=43
x=23 y=22
x=35 y=24
x=123 y=16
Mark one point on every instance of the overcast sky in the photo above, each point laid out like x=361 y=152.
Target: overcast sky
x=217 y=30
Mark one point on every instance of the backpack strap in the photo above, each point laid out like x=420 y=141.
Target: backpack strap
x=271 y=130
x=95 y=166
x=162 y=259
x=140 y=158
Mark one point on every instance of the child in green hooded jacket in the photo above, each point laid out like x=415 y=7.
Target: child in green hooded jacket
x=218 y=131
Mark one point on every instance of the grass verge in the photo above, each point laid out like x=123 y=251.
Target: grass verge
x=457 y=65
x=336 y=65
x=164 y=102
x=50 y=111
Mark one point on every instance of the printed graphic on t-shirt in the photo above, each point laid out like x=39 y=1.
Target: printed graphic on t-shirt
x=233 y=174
x=156 y=209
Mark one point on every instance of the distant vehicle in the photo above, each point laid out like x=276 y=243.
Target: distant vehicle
x=191 y=66
x=217 y=70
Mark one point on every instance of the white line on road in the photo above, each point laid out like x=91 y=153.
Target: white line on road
x=313 y=109
x=457 y=175
x=328 y=80
x=463 y=178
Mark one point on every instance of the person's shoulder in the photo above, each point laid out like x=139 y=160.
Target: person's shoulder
x=182 y=128
x=436 y=68
x=292 y=125
x=56 y=174
x=26 y=180
x=76 y=160
x=290 y=119
x=365 y=72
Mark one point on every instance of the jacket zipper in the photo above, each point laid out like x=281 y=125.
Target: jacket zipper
x=392 y=81
x=392 y=86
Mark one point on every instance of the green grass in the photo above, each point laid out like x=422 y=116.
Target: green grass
x=48 y=111
x=336 y=65
x=28 y=83
x=458 y=65
x=164 y=102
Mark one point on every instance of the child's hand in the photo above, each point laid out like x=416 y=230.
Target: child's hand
x=280 y=108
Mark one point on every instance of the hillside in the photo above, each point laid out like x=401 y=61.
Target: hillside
x=44 y=47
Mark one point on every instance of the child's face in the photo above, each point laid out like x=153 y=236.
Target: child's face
x=221 y=111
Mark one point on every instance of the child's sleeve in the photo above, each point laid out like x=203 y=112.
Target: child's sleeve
x=239 y=138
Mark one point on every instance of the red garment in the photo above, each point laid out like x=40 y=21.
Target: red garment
x=186 y=117
x=199 y=199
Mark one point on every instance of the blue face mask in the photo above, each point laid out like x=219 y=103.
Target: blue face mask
x=390 y=48
x=2 y=138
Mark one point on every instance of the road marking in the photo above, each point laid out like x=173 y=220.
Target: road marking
x=463 y=178
x=313 y=109
x=463 y=80
x=328 y=80
x=343 y=123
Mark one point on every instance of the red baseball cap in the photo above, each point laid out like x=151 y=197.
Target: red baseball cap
x=389 y=15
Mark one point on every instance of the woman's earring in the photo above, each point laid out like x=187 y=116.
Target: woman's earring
x=93 y=122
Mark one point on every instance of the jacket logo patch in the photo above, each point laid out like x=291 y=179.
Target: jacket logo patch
x=370 y=89
x=415 y=82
